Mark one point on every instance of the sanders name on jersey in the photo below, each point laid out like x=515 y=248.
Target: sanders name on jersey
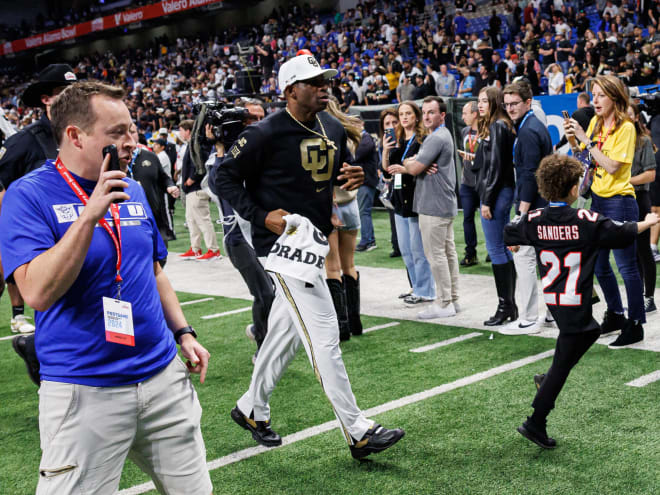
x=558 y=232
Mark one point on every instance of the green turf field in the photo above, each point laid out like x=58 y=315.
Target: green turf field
x=460 y=442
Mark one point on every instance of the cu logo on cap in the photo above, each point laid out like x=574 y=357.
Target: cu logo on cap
x=312 y=61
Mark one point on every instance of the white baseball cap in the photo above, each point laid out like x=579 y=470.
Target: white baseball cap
x=301 y=68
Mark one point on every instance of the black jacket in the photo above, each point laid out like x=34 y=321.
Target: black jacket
x=493 y=163
x=26 y=151
x=366 y=156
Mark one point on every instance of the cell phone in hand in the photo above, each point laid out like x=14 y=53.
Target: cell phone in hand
x=565 y=114
x=113 y=165
x=390 y=133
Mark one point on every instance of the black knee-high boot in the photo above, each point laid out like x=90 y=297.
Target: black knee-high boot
x=339 y=301
x=505 y=280
x=352 y=288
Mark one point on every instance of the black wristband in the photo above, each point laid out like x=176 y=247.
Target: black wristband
x=182 y=331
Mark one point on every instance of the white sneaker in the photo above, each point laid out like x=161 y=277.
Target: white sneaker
x=249 y=331
x=521 y=327
x=437 y=311
x=20 y=325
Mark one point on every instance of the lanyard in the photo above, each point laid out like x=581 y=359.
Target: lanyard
x=114 y=211
x=515 y=141
x=472 y=143
x=407 y=148
x=601 y=139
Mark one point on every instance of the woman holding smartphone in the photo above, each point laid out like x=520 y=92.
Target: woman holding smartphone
x=493 y=164
x=410 y=133
x=610 y=139
x=388 y=121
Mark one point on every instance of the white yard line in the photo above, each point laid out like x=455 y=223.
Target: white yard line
x=232 y=312
x=196 y=301
x=388 y=406
x=9 y=337
x=642 y=381
x=380 y=327
x=443 y=343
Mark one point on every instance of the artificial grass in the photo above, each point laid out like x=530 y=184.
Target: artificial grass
x=463 y=441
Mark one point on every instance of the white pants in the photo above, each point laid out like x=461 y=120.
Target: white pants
x=304 y=314
x=527 y=283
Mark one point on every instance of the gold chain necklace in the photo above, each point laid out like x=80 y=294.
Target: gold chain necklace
x=325 y=137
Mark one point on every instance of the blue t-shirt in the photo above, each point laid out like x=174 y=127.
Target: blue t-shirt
x=37 y=210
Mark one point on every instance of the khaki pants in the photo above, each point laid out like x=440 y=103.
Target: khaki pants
x=87 y=432
x=440 y=251
x=198 y=219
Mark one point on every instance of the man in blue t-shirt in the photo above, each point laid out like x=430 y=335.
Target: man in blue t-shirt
x=107 y=316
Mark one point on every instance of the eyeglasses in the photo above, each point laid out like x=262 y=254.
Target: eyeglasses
x=512 y=104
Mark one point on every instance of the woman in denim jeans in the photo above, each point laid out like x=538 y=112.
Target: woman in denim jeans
x=610 y=139
x=493 y=164
x=410 y=133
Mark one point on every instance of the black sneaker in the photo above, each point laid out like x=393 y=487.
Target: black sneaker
x=649 y=305
x=538 y=380
x=469 y=261
x=261 y=431
x=375 y=440
x=360 y=248
x=612 y=322
x=20 y=345
x=536 y=434
x=395 y=254
x=371 y=246
x=632 y=333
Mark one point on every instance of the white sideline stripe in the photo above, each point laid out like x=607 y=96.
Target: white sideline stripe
x=196 y=301
x=12 y=336
x=642 y=381
x=380 y=327
x=460 y=338
x=232 y=312
x=330 y=425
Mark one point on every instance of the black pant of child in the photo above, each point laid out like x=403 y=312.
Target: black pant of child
x=569 y=350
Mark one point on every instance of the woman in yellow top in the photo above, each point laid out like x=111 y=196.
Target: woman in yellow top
x=611 y=140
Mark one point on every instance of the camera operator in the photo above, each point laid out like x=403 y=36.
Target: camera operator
x=237 y=240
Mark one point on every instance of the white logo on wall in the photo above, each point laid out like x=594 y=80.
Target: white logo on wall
x=117 y=19
x=65 y=213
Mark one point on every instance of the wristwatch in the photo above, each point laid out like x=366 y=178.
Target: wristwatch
x=182 y=331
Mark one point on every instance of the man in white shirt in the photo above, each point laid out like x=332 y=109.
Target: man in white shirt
x=159 y=149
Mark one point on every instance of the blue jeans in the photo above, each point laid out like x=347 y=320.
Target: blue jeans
x=470 y=203
x=365 y=198
x=412 y=252
x=494 y=228
x=623 y=209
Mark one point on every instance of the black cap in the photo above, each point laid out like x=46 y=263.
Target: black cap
x=51 y=77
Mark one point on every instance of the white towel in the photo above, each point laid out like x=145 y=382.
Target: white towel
x=300 y=251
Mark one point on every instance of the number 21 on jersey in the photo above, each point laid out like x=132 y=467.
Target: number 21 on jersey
x=571 y=262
